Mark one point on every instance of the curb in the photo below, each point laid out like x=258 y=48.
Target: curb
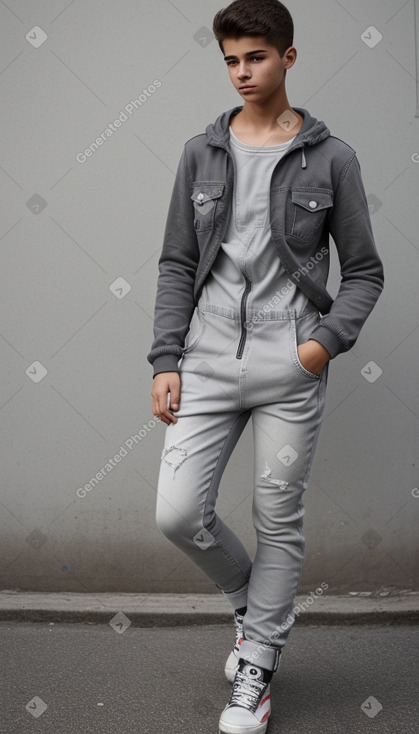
x=170 y=610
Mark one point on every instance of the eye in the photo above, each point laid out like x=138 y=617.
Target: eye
x=253 y=58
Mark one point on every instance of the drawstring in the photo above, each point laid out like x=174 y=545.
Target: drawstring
x=303 y=159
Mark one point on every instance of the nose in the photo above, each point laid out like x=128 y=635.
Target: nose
x=242 y=71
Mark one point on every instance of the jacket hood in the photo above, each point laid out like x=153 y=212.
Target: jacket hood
x=313 y=131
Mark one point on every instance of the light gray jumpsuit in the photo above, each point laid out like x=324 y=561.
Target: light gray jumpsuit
x=241 y=360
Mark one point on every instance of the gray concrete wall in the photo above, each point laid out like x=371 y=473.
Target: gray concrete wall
x=80 y=239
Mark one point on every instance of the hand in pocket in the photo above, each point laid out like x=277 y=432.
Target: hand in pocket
x=313 y=356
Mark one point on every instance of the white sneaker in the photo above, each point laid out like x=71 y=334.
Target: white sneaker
x=233 y=659
x=249 y=707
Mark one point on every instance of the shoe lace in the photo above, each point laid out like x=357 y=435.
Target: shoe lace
x=238 y=621
x=246 y=692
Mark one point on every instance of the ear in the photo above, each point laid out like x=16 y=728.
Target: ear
x=289 y=57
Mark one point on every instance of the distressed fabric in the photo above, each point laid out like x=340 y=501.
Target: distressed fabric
x=219 y=393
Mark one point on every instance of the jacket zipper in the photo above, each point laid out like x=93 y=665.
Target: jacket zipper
x=243 y=336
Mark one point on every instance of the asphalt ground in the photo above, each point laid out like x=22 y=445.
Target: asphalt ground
x=118 y=678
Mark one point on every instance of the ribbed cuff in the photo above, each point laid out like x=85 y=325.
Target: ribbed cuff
x=166 y=363
x=328 y=339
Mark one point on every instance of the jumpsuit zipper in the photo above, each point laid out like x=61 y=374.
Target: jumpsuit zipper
x=246 y=291
x=247 y=288
x=248 y=284
x=243 y=319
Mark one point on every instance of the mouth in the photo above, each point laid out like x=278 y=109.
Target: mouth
x=247 y=86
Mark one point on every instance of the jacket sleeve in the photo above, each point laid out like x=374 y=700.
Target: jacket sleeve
x=175 y=284
x=362 y=277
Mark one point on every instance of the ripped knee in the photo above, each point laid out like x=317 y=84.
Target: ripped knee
x=269 y=479
x=174 y=456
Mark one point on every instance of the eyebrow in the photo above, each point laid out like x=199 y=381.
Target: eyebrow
x=249 y=53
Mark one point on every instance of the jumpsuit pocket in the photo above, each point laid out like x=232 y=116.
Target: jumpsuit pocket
x=310 y=207
x=196 y=331
x=299 y=332
x=205 y=197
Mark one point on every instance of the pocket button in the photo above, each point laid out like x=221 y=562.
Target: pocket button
x=312 y=204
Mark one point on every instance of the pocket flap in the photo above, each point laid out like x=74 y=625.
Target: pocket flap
x=206 y=192
x=312 y=200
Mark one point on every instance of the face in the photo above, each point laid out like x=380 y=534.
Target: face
x=252 y=61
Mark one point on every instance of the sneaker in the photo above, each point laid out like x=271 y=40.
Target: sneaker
x=249 y=707
x=233 y=659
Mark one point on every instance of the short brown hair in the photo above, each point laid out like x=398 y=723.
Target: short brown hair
x=268 y=18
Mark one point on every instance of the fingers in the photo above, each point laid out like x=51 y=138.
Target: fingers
x=166 y=396
x=174 y=397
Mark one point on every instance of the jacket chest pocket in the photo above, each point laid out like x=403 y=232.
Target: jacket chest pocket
x=307 y=212
x=205 y=197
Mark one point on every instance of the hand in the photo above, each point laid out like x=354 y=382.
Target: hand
x=165 y=383
x=313 y=356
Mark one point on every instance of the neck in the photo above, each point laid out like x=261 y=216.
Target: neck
x=264 y=116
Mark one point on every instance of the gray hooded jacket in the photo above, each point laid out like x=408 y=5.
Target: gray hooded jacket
x=316 y=191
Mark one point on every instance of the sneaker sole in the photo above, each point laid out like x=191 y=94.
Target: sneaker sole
x=232 y=729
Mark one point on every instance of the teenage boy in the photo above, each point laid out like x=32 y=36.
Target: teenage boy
x=244 y=326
